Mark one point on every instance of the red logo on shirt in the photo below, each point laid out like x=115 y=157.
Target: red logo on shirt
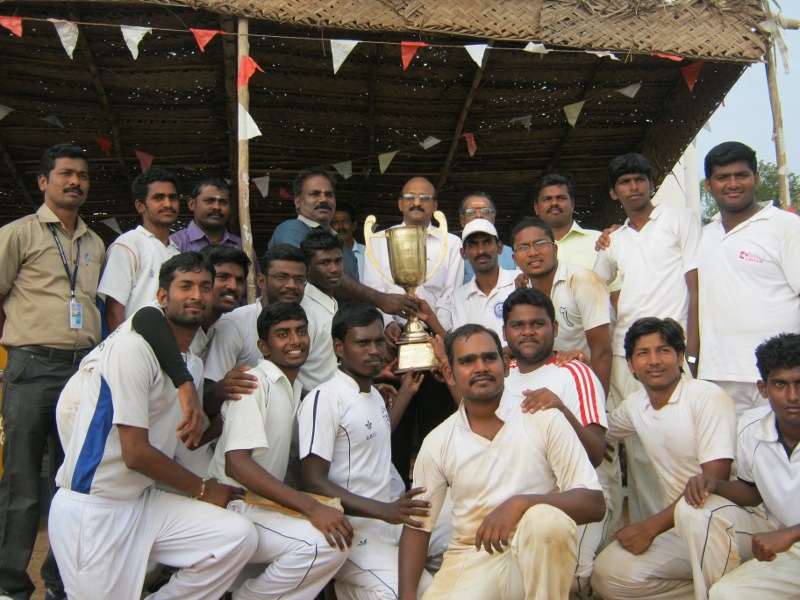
x=750 y=257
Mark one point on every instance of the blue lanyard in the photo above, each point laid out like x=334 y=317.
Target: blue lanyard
x=73 y=279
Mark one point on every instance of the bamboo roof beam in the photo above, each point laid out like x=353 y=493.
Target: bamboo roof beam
x=15 y=174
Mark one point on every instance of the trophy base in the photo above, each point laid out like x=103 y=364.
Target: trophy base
x=415 y=356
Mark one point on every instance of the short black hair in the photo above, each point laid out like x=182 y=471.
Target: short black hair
x=277 y=312
x=467 y=331
x=351 y=315
x=532 y=297
x=142 y=182
x=628 y=164
x=729 y=152
x=183 y=263
x=779 y=352
x=319 y=240
x=669 y=330
x=348 y=208
x=463 y=203
x=285 y=252
x=48 y=160
x=553 y=179
x=217 y=182
x=531 y=222
x=299 y=181
x=217 y=254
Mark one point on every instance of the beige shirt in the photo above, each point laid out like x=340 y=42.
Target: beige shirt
x=35 y=284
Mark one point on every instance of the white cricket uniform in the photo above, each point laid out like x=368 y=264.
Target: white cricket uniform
x=580 y=391
x=534 y=454
x=132 y=265
x=107 y=521
x=470 y=305
x=438 y=290
x=696 y=426
x=321 y=363
x=301 y=560
x=749 y=285
x=235 y=342
x=201 y=344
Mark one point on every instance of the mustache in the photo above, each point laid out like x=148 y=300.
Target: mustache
x=417 y=207
x=479 y=256
x=75 y=189
x=200 y=305
x=482 y=377
x=554 y=209
x=324 y=204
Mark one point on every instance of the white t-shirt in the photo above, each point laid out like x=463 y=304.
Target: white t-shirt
x=652 y=264
x=696 y=426
x=134 y=391
x=235 y=342
x=321 y=363
x=261 y=421
x=749 y=285
x=470 y=305
x=131 y=272
x=536 y=453
x=201 y=344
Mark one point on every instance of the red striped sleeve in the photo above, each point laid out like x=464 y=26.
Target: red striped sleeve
x=587 y=392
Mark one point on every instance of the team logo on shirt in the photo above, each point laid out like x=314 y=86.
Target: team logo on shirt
x=565 y=316
x=498 y=310
x=368 y=424
x=750 y=257
x=152 y=273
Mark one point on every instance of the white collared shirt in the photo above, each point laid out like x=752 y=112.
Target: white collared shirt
x=470 y=305
x=322 y=363
x=577 y=246
x=235 y=341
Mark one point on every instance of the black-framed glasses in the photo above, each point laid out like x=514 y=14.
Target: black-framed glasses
x=484 y=212
x=539 y=245
x=410 y=197
x=283 y=278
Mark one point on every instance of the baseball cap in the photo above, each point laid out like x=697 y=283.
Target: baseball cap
x=478 y=226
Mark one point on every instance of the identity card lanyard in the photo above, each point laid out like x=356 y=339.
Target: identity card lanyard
x=75 y=308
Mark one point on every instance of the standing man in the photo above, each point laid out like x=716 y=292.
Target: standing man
x=49 y=321
x=480 y=205
x=344 y=223
x=211 y=207
x=130 y=280
x=749 y=267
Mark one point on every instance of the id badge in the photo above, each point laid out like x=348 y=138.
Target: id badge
x=75 y=315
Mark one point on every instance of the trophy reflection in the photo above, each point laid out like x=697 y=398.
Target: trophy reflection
x=408 y=262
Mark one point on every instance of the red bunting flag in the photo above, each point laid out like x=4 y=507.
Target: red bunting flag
x=667 y=56
x=105 y=145
x=203 y=36
x=284 y=194
x=13 y=24
x=691 y=72
x=145 y=159
x=472 y=147
x=409 y=49
x=246 y=69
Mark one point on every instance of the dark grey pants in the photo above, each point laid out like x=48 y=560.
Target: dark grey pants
x=30 y=393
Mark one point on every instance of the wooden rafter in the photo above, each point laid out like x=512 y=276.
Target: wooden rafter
x=230 y=70
x=371 y=92
x=15 y=174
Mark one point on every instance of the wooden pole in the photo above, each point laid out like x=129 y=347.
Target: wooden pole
x=777 y=128
x=243 y=162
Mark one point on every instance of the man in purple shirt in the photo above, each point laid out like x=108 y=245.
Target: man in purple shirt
x=211 y=205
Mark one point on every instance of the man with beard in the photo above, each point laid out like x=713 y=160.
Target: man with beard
x=130 y=279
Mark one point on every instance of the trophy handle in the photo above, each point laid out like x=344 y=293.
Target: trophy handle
x=369 y=235
x=442 y=229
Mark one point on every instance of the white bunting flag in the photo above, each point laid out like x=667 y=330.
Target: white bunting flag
x=53 y=120
x=385 y=159
x=68 y=32
x=247 y=126
x=262 y=183
x=572 y=111
x=783 y=170
x=603 y=54
x=345 y=169
x=340 y=50
x=526 y=121
x=133 y=35
x=429 y=142
x=112 y=223
x=536 y=48
x=476 y=52
x=707 y=126
x=4 y=110
x=630 y=90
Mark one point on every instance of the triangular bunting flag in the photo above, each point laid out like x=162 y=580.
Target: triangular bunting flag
x=603 y=54
x=145 y=160
x=105 y=145
x=429 y=142
x=691 y=72
x=707 y=126
x=476 y=52
x=629 y=90
x=53 y=120
x=409 y=49
x=385 y=159
x=13 y=24
x=4 y=110
x=284 y=194
x=472 y=147
x=247 y=126
x=68 y=32
x=345 y=169
x=667 y=56
x=246 y=69
x=572 y=111
x=113 y=224
x=535 y=48
x=203 y=36
x=133 y=35
x=340 y=50
x=526 y=120
x=262 y=183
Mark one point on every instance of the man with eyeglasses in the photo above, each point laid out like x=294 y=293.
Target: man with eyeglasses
x=480 y=205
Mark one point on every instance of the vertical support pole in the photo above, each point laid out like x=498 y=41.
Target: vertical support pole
x=243 y=160
x=777 y=128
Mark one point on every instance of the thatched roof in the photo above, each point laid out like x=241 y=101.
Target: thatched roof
x=176 y=103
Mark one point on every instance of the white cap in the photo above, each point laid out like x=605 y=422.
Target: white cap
x=478 y=226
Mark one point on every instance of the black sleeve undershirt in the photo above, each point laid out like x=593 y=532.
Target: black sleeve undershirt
x=150 y=323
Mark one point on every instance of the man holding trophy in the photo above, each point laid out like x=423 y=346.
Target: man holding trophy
x=443 y=274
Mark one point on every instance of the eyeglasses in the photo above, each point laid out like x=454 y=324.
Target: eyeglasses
x=486 y=211
x=283 y=278
x=422 y=197
x=538 y=245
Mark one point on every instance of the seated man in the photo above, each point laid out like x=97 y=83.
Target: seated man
x=768 y=473
x=687 y=427
x=108 y=518
x=519 y=488
x=345 y=451
x=253 y=453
